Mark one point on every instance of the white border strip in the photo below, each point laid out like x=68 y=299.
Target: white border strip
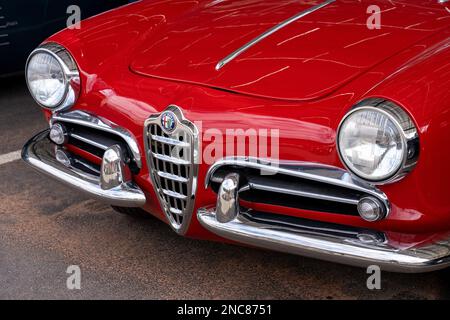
x=10 y=157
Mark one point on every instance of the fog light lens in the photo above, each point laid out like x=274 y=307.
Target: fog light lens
x=371 y=209
x=58 y=134
x=371 y=237
x=62 y=157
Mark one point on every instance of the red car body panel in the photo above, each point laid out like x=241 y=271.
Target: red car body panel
x=189 y=47
x=137 y=60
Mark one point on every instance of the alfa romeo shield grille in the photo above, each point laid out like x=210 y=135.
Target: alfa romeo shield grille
x=172 y=146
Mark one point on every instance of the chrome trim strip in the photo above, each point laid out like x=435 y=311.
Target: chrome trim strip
x=323 y=246
x=311 y=171
x=85 y=119
x=39 y=152
x=88 y=141
x=303 y=194
x=267 y=33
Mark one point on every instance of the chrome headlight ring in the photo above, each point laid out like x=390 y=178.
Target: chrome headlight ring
x=407 y=135
x=70 y=73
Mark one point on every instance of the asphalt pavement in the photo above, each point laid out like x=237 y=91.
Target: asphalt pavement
x=46 y=227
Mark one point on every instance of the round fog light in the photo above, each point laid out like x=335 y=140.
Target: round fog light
x=58 y=134
x=62 y=157
x=371 y=209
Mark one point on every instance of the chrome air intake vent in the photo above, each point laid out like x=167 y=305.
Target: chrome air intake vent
x=300 y=185
x=171 y=144
x=95 y=135
x=312 y=227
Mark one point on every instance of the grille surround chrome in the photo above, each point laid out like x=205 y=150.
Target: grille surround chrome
x=85 y=119
x=165 y=151
x=309 y=173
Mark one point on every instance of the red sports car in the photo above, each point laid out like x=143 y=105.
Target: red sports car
x=318 y=128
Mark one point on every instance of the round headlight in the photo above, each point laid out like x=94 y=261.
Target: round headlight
x=378 y=141
x=46 y=81
x=52 y=77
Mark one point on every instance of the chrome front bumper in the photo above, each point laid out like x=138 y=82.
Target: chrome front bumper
x=327 y=246
x=40 y=153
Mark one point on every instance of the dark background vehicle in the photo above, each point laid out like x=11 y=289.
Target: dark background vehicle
x=26 y=23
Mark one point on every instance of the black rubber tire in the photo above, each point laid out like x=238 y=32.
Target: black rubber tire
x=133 y=212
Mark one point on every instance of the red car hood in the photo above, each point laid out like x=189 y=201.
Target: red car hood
x=306 y=59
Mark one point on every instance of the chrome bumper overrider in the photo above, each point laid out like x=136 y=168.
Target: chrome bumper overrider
x=331 y=247
x=40 y=153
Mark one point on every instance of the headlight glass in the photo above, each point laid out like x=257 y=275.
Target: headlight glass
x=46 y=79
x=373 y=143
x=52 y=77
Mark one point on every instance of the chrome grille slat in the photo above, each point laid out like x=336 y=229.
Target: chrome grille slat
x=176 y=211
x=173 y=173
x=301 y=193
x=88 y=141
x=170 y=159
x=174 y=194
x=166 y=175
x=170 y=141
